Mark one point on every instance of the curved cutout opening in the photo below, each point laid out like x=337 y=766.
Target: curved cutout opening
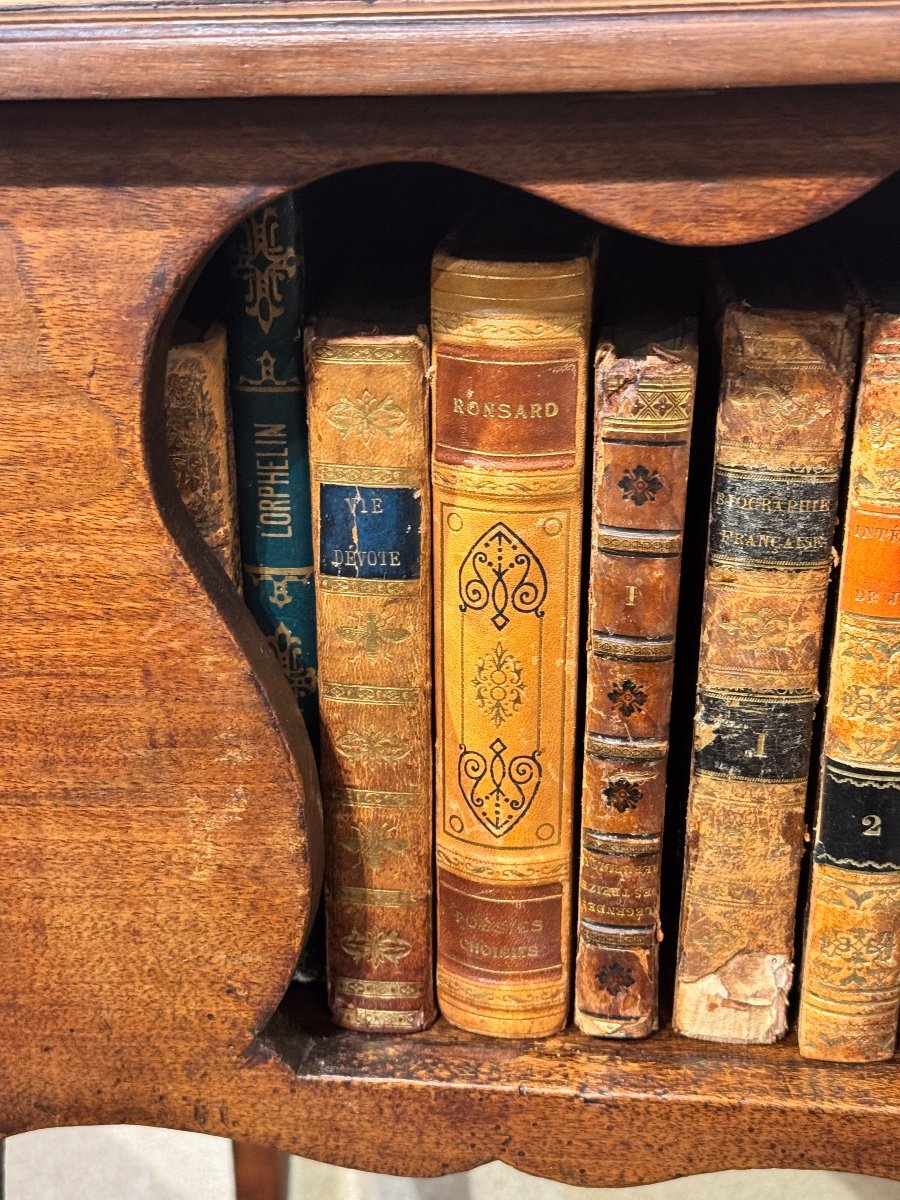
x=405 y=208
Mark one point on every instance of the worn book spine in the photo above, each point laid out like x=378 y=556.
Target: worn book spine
x=850 y=992
x=780 y=433
x=265 y=267
x=369 y=435
x=510 y=371
x=642 y=446
x=201 y=444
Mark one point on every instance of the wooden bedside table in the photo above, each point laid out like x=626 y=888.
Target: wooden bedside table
x=159 y=834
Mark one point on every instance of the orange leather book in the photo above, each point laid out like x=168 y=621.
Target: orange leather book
x=510 y=357
x=645 y=377
x=201 y=444
x=368 y=424
x=789 y=341
x=850 y=993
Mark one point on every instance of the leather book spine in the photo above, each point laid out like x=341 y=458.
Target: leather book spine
x=786 y=380
x=201 y=444
x=264 y=264
x=510 y=364
x=368 y=420
x=850 y=989
x=642 y=446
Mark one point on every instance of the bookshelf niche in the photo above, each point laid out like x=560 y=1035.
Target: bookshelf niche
x=158 y=858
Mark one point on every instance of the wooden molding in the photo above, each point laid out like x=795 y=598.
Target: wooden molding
x=693 y=169
x=75 y=49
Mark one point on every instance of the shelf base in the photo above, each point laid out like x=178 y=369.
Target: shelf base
x=578 y=1109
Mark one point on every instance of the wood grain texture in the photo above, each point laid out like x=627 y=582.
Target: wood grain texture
x=71 y=49
x=158 y=803
x=154 y=878
x=584 y=1110
x=695 y=169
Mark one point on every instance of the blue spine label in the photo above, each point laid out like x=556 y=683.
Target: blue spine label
x=370 y=532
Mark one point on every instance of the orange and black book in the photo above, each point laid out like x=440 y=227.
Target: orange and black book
x=789 y=338
x=511 y=319
x=367 y=372
x=645 y=378
x=850 y=992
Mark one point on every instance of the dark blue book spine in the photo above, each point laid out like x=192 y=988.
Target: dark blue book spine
x=265 y=271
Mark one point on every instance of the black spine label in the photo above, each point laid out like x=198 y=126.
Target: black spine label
x=859 y=820
x=751 y=735
x=772 y=519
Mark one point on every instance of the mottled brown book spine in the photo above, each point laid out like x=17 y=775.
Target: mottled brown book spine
x=780 y=433
x=201 y=445
x=642 y=446
x=368 y=424
x=850 y=992
x=510 y=380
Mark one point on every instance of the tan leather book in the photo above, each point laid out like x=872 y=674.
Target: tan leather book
x=645 y=377
x=789 y=340
x=368 y=426
x=201 y=444
x=511 y=330
x=850 y=991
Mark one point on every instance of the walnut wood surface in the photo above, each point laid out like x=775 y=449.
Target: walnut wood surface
x=693 y=169
x=155 y=777
x=67 y=49
x=580 y=1109
x=156 y=855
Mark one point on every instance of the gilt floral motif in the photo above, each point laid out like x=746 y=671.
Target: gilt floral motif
x=373 y=745
x=498 y=684
x=765 y=629
x=877 y=704
x=883 y=429
x=872 y=951
x=263 y=262
x=788 y=408
x=367 y=417
x=375 y=946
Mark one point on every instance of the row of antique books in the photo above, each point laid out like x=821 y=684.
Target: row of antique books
x=417 y=557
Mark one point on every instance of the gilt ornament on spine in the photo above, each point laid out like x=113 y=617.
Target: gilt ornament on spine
x=264 y=264
x=368 y=419
x=850 y=993
x=510 y=380
x=642 y=443
x=786 y=380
